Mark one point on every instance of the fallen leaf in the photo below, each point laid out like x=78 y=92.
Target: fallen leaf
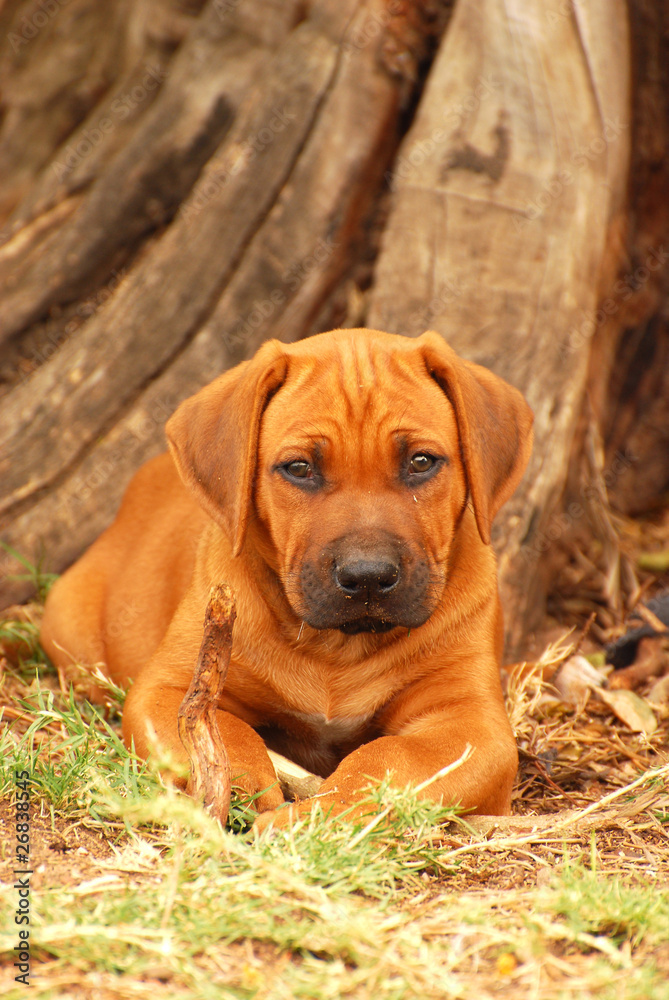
x=630 y=709
x=506 y=964
x=654 y=562
x=575 y=677
x=659 y=693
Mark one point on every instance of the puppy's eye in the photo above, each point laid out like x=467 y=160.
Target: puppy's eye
x=421 y=462
x=299 y=469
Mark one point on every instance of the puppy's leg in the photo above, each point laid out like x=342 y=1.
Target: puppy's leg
x=150 y=721
x=71 y=632
x=482 y=784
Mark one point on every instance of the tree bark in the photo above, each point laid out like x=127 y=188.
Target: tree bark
x=188 y=178
x=509 y=198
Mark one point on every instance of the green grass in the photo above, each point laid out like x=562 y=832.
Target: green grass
x=24 y=635
x=34 y=574
x=597 y=906
x=314 y=912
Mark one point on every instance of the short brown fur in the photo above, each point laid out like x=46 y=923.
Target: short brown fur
x=368 y=634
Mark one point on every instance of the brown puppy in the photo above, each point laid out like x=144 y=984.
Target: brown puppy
x=344 y=486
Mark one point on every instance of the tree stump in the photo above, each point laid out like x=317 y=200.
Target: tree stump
x=508 y=196
x=183 y=180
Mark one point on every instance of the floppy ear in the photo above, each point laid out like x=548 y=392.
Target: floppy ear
x=213 y=437
x=494 y=423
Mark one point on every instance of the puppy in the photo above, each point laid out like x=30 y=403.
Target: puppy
x=345 y=487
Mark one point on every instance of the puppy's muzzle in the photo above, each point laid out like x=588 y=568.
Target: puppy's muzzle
x=366 y=583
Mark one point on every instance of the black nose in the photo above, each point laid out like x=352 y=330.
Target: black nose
x=367 y=577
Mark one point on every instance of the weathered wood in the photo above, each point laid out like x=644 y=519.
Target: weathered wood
x=140 y=268
x=66 y=518
x=629 y=384
x=295 y=781
x=506 y=192
x=148 y=177
x=69 y=402
x=209 y=779
x=48 y=88
x=267 y=226
x=620 y=458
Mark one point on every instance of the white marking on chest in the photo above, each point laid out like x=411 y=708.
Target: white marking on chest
x=330 y=732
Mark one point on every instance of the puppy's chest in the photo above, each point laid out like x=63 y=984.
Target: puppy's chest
x=316 y=742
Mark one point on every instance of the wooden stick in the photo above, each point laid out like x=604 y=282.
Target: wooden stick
x=209 y=778
x=295 y=781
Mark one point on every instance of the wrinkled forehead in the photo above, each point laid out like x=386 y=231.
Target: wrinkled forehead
x=356 y=390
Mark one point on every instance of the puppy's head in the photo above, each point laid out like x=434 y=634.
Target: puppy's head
x=352 y=457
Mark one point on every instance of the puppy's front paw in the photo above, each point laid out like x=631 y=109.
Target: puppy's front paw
x=331 y=805
x=254 y=775
x=277 y=818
